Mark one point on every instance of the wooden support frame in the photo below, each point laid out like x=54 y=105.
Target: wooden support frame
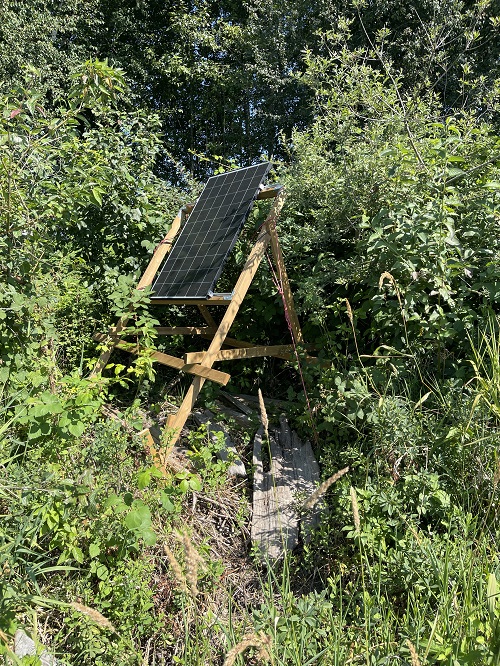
x=200 y=364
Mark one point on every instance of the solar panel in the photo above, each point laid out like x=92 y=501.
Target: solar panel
x=197 y=258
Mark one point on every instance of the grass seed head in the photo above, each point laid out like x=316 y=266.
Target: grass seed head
x=321 y=490
x=388 y=276
x=192 y=560
x=94 y=615
x=355 y=509
x=263 y=414
x=176 y=568
x=260 y=640
x=415 y=661
x=349 y=311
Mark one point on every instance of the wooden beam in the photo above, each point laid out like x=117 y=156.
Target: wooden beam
x=213 y=300
x=186 y=330
x=147 y=278
x=280 y=264
x=207 y=316
x=208 y=373
x=231 y=342
x=177 y=363
x=280 y=351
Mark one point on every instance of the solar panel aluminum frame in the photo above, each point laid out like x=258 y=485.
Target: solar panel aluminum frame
x=214 y=194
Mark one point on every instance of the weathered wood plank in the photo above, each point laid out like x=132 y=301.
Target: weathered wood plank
x=268 y=401
x=24 y=646
x=237 y=468
x=237 y=402
x=293 y=470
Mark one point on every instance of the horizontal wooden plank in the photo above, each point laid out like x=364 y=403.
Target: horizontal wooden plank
x=237 y=402
x=191 y=301
x=231 y=342
x=293 y=471
x=185 y=330
x=281 y=351
x=208 y=373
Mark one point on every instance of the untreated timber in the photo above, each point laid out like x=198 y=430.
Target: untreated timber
x=213 y=300
x=175 y=423
x=161 y=252
x=174 y=362
x=185 y=330
x=280 y=351
x=285 y=284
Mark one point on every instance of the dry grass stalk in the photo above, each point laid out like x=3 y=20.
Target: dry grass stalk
x=263 y=414
x=192 y=559
x=355 y=509
x=321 y=490
x=261 y=641
x=94 y=615
x=388 y=276
x=176 y=568
x=415 y=661
x=391 y=279
x=349 y=311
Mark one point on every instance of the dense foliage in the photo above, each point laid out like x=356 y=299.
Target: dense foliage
x=383 y=120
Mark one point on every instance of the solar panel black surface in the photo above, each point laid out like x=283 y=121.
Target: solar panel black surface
x=195 y=262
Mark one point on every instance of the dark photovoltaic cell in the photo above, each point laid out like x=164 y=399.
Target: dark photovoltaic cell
x=197 y=258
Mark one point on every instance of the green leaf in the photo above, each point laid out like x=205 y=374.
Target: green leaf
x=97 y=195
x=167 y=503
x=195 y=483
x=492 y=594
x=77 y=554
x=76 y=428
x=149 y=537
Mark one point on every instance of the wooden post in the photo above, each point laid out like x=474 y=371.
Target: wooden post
x=282 y=274
x=176 y=422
